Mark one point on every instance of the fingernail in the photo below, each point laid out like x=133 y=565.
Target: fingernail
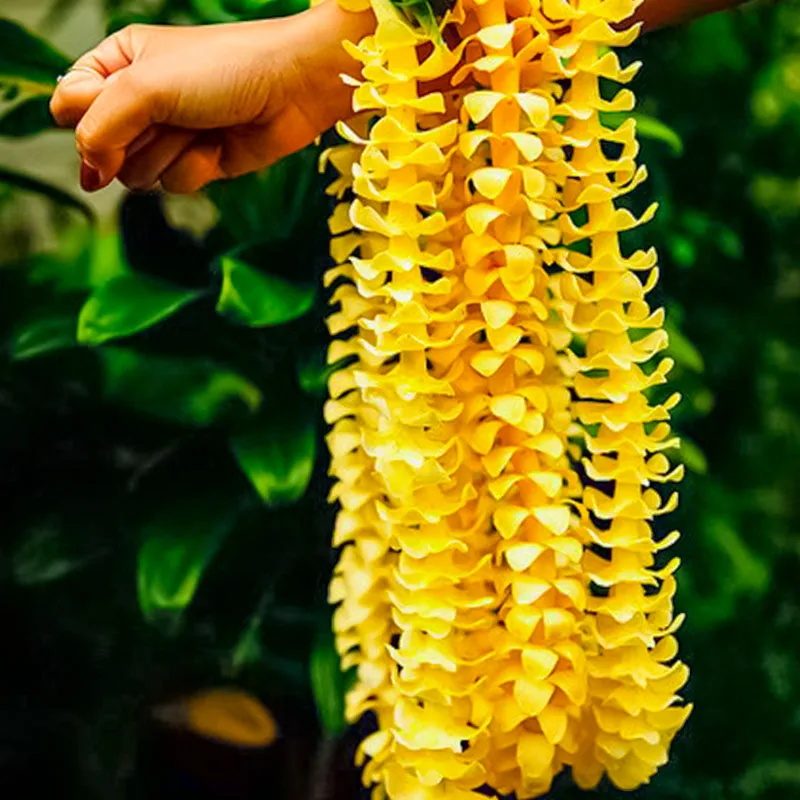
x=91 y=179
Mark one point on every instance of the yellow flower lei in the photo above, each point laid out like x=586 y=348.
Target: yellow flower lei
x=492 y=443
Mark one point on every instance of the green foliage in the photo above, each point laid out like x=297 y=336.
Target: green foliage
x=177 y=542
x=250 y=297
x=328 y=683
x=129 y=304
x=165 y=516
x=28 y=61
x=277 y=453
x=188 y=391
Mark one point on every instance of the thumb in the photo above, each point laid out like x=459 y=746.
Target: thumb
x=85 y=80
x=76 y=91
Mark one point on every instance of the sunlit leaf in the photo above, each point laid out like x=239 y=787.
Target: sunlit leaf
x=255 y=298
x=277 y=453
x=129 y=304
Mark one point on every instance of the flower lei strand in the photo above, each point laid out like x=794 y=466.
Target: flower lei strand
x=492 y=442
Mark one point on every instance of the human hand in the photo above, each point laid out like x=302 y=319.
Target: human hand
x=182 y=106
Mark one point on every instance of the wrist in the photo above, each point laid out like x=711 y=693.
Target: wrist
x=321 y=59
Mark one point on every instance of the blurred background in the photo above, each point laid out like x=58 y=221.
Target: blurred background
x=164 y=539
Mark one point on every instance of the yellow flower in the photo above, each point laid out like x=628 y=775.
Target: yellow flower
x=492 y=443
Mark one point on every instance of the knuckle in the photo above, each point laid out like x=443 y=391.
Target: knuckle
x=144 y=90
x=132 y=31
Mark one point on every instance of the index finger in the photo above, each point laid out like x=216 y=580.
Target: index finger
x=84 y=81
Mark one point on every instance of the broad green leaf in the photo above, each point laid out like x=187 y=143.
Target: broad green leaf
x=27 y=118
x=258 y=299
x=277 y=453
x=29 y=184
x=178 y=542
x=27 y=60
x=188 y=391
x=43 y=335
x=328 y=685
x=129 y=304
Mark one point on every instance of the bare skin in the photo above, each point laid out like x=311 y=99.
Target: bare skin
x=183 y=106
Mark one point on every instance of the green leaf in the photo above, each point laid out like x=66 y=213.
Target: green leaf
x=692 y=456
x=647 y=127
x=313 y=373
x=277 y=453
x=129 y=304
x=28 y=60
x=29 y=184
x=27 y=118
x=652 y=128
x=328 y=685
x=258 y=299
x=188 y=391
x=178 y=542
x=42 y=335
x=272 y=203
x=248 y=650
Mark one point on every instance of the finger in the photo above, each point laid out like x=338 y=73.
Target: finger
x=143 y=168
x=84 y=81
x=195 y=168
x=120 y=114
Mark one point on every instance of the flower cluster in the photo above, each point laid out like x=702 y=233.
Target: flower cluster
x=492 y=440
